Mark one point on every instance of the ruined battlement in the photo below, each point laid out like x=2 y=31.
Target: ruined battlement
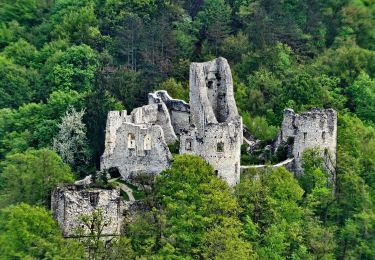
x=179 y=110
x=162 y=96
x=138 y=149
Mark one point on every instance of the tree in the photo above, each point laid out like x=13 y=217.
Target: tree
x=124 y=84
x=31 y=233
x=225 y=242
x=363 y=97
x=79 y=25
x=98 y=103
x=272 y=216
x=357 y=237
x=35 y=125
x=175 y=89
x=16 y=85
x=214 y=19
x=98 y=246
x=193 y=200
x=71 y=142
x=73 y=69
x=30 y=177
x=21 y=53
x=26 y=12
x=314 y=173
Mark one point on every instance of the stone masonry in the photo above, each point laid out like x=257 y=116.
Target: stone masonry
x=215 y=132
x=314 y=129
x=70 y=203
x=209 y=126
x=139 y=147
x=178 y=109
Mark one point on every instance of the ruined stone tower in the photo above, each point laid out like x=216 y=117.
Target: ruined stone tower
x=215 y=132
x=314 y=129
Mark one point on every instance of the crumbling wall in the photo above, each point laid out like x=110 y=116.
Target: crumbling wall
x=156 y=114
x=114 y=121
x=70 y=203
x=220 y=146
x=179 y=110
x=138 y=149
x=314 y=129
x=216 y=130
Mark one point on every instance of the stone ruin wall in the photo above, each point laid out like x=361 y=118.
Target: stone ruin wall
x=138 y=149
x=155 y=114
x=219 y=146
x=179 y=110
x=70 y=203
x=314 y=129
x=137 y=143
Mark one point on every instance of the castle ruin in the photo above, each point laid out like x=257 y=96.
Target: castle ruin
x=209 y=126
x=215 y=132
x=69 y=203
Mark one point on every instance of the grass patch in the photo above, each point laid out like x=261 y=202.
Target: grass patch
x=124 y=195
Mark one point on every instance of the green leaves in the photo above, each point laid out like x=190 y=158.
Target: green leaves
x=16 y=84
x=31 y=233
x=73 y=69
x=30 y=177
x=363 y=97
x=192 y=206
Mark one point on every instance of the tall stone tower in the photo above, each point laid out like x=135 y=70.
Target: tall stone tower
x=215 y=133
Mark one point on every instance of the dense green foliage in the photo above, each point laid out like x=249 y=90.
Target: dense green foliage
x=31 y=233
x=30 y=177
x=101 y=55
x=196 y=213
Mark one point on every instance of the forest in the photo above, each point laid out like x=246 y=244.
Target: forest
x=64 y=64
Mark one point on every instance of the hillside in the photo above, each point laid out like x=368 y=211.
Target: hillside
x=65 y=64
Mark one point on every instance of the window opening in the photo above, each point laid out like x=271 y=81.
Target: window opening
x=220 y=147
x=131 y=141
